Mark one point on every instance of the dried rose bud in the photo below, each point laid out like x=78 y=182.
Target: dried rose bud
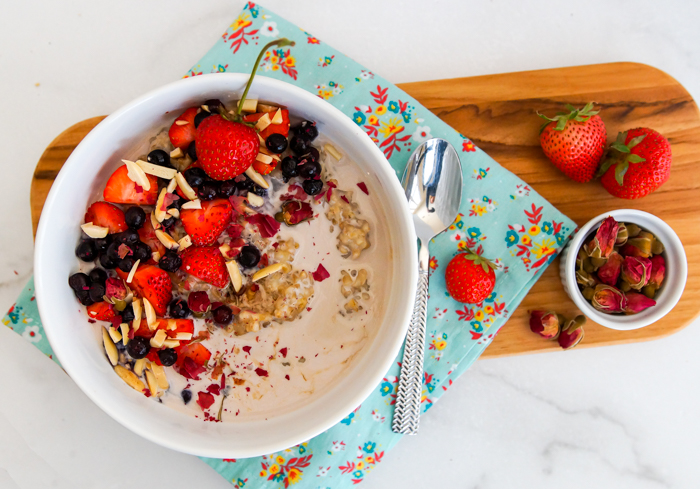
x=610 y=272
x=584 y=278
x=624 y=286
x=294 y=212
x=588 y=293
x=572 y=333
x=657 y=247
x=636 y=271
x=632 y=230
x=658 y=271
x=598 y=262
x=115 y=289
x=581 y=257
x=637 y=302
x=604 y=240
x=639 y=246
x=650 y=291
x=622 y=234
x=546 y=324
x=199 y=302
x=608 y=299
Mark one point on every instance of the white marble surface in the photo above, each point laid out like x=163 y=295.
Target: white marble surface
x=624 y=416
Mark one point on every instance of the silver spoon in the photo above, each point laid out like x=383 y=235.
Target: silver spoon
x=432 y=181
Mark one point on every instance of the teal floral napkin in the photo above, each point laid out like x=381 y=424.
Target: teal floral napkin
x=501 y=217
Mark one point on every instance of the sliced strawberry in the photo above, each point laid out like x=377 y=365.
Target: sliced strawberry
x=107 y=216
x=282 y=128
x=102 y=311
x=264 y=169
x=205 y=225
x=181 y=326
x=148 y=235
x=152 y=283
x=207 y=264
x=196 y=352
x=181 y=135
x=120 y=189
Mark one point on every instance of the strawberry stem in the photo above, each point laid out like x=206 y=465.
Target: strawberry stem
x=574 y=114
x=278 y=42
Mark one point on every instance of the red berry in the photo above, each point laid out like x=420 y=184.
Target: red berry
x=102 y=311
x=120 y=189
x=207 y=264
x=205 y=225
x=470 y=278
x=181 y=135
x=107 y=216
x=225 y=149
x=152 y=283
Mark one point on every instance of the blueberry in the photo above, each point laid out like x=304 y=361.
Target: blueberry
x=135 y=217
x=179 y=309
x=84 y=297
x=214 y=105
x=310 y=169
x=312 y=187
x=177 y=203
x=299 y=146
x=200 y=117
x=78 y=281
x=113 y=251
x=245 y=185
x=160 y=158
x=141 y=251
x=128 y=237
x=138 y=347
x=306 y=130
x=86 y=250
x=194 y=176
x=290 y=167
x=223 y=315
x=258 y=190
x=128 y=314
x=192 y=151
x=249 y=256
x=207 y=191
x=170 y=262
x=170 y=221
x=108 y=262
x=126 y=264
x=313 y=154
x=276 y=143
x=97 y=292
x=101 y=244
x=227 y=188
x=97 y=275
x=186 y=396
x=167 y=356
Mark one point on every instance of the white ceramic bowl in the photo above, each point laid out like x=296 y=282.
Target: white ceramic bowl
x=78 y=344
x=671 y=288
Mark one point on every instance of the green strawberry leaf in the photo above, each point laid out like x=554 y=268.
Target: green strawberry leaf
x=635 y=141
x=605 y=166
x=620 y=171
x=561 y=124
x=620 y=147
x=635 y=158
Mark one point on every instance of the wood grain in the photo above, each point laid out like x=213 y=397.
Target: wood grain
x=498 y=112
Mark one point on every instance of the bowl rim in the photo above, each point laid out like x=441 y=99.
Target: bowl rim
x=671 y=292
x=392 y=189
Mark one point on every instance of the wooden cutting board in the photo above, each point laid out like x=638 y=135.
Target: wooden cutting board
x=498 y=113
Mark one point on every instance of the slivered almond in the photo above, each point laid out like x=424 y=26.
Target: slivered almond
x=183 y=336
x=159 y=373
x=114 y=334
x=185 y=242
x=224 y=249
x=125 y=333
x=255 y=200
x=249 y=105
x=136 y=305
x=139 y=365
x=110 y=347
x=151 y=318
x=174 y=212
x=132 y=272
x=192 y=204
x=263 y=158
x=94 y=231
x=182 y=123
x=205 y=108
x=333 y=152
x=263 y=122
x=256 y=177
x=158 y=339
x=157 y=170
x=166 y=239
x=277 y=118
x=130 y=378
x=172 y=185
x=235 y=273
x=154 y=221
x=137 y=175
x=172 y=325
x=262 y=141
x=185 y=187
x=269 y=270
x=159 y=210
x=152 y=384
x=171 y=343
x=156 y=256
x=266 y=108
x=176 y=153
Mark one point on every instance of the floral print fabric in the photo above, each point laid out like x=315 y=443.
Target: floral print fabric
x=501 y=217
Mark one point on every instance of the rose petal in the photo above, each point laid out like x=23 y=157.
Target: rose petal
x=320 y=274
x=363 y=187
x=205 y=400
x=637 y=302
x=261 y=372
x=267 y=225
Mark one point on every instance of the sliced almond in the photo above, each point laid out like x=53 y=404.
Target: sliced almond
x=172 y=185
x=159 y=210
x=130 y=378
x=174 y=212
x=166 y=239
x=158 y=338
x=132 y=272
x=266 y=107
x=156 y=256
x=235 y=273
x=263 y=122
x=182 y=123
x=172 y=325
x=269 y=270
x=185 y=242
x=224 y=249
x=137 y=175
x=255 y=200
x=263 y=158
x=176 y=153
x=185 y=187
x=249 y=105
x=192 y=204
x=333 y=152
x=110 y=347
x=94 y=231
x=159 y=373
x=277 y=118
x=256 y=177
x=124 y=327
x=171 y=343
x=139 y=365
x=205 y=107
x=136 y=305
x=151 y=318
x=157 y=170
x=152 y=384
x=154 y=221
x=115 y=335
x=183 y=336
x=262 y=141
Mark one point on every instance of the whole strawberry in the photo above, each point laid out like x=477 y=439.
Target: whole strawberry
x=470 y=278
x=574 y=141
x=638 y=163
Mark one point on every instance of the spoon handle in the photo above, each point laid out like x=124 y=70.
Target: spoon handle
x=408 y=398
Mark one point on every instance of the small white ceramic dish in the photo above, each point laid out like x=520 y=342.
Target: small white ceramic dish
x=671 y=288
x=77 y=343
